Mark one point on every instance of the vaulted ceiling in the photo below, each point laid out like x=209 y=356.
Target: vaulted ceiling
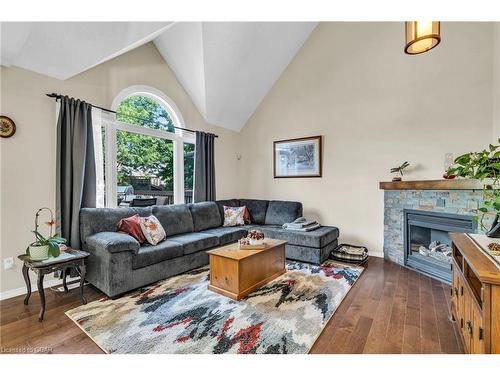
x=226 y=67
x=65 y=49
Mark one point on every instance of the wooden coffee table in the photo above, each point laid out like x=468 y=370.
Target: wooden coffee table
x=236 y=273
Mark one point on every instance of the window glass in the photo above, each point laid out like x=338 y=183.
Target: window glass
x=145 y=168
x=146 y=165
x=144 y=111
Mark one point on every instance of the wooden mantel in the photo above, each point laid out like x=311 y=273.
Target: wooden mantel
x=456 y=184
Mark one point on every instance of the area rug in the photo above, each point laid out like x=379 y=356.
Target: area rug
x=180 y=315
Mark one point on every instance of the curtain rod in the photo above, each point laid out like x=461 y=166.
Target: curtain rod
x=58 y=96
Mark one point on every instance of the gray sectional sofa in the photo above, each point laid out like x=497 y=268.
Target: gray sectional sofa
x=118 y=263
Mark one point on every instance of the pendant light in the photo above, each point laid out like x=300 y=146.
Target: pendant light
x=421 y=36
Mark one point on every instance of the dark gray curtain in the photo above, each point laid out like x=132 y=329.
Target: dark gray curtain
x=204 y=168
x=76 y=176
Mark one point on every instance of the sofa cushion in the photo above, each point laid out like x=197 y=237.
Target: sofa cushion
x=205 y=215
x=316 y=238
x=175 y=218
x=193 y=242
x=95 y=220
x=281 y=212
x=226 y=202
x=315 y=255
x=149 y=254
x=112 y=242
x=257 y=209
x=249 y=227
x=227 y=234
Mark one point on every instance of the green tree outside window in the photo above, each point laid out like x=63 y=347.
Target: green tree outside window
x=150 y=156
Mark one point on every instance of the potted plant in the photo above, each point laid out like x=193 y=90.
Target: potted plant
x=399 y=170
x=485 y=166
x=43 y=247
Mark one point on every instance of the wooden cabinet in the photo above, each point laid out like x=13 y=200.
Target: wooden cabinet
x=235 y=273
x=475 y=292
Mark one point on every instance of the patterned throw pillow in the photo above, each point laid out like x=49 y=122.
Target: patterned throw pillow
x=152 y=229
x=132 y=226
x=233 y=216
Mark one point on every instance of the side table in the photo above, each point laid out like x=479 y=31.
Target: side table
x=68 y=259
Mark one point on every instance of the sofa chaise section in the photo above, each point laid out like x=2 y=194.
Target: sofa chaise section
x=311 y=247
x=269 y=216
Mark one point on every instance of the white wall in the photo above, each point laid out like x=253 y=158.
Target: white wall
x=375 y=107
x=496 y=82
x=28 y=158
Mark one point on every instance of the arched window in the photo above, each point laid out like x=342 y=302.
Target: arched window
x=144 y=111
x=149 y=157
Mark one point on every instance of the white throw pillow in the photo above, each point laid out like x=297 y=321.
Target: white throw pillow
x=234 y=216
x=152 y=229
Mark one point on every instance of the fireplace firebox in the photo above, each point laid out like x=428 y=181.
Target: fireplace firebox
x=426 y=241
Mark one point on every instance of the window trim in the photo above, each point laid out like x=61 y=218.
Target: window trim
x=179 y=137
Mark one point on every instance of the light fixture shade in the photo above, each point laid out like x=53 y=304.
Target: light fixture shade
x=421 y=36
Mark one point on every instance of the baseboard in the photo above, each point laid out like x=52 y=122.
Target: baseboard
x=22 y=291
x=378 y=254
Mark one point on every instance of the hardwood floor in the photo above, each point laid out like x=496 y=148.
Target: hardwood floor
x=390 y=309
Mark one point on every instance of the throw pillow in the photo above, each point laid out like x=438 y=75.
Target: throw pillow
x=246 y=216
x=233 y=216
x=132 y=226
x=152 y=229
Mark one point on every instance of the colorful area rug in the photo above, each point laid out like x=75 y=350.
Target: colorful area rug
x=180 y=315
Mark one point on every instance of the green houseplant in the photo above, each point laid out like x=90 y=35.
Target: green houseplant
x=484 y=166
x=43 y=247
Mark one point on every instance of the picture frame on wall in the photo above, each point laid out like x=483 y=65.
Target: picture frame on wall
x=299 y=157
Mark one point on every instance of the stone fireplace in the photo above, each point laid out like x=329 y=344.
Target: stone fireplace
x=418 y=216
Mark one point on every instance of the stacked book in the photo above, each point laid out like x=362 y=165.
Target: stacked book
x=350 y=254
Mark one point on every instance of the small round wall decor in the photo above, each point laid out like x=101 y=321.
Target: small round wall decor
x=7 y=127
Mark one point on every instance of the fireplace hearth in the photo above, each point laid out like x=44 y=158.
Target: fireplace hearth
x=426 y=242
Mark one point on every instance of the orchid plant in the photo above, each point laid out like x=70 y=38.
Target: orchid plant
x=52 y=241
